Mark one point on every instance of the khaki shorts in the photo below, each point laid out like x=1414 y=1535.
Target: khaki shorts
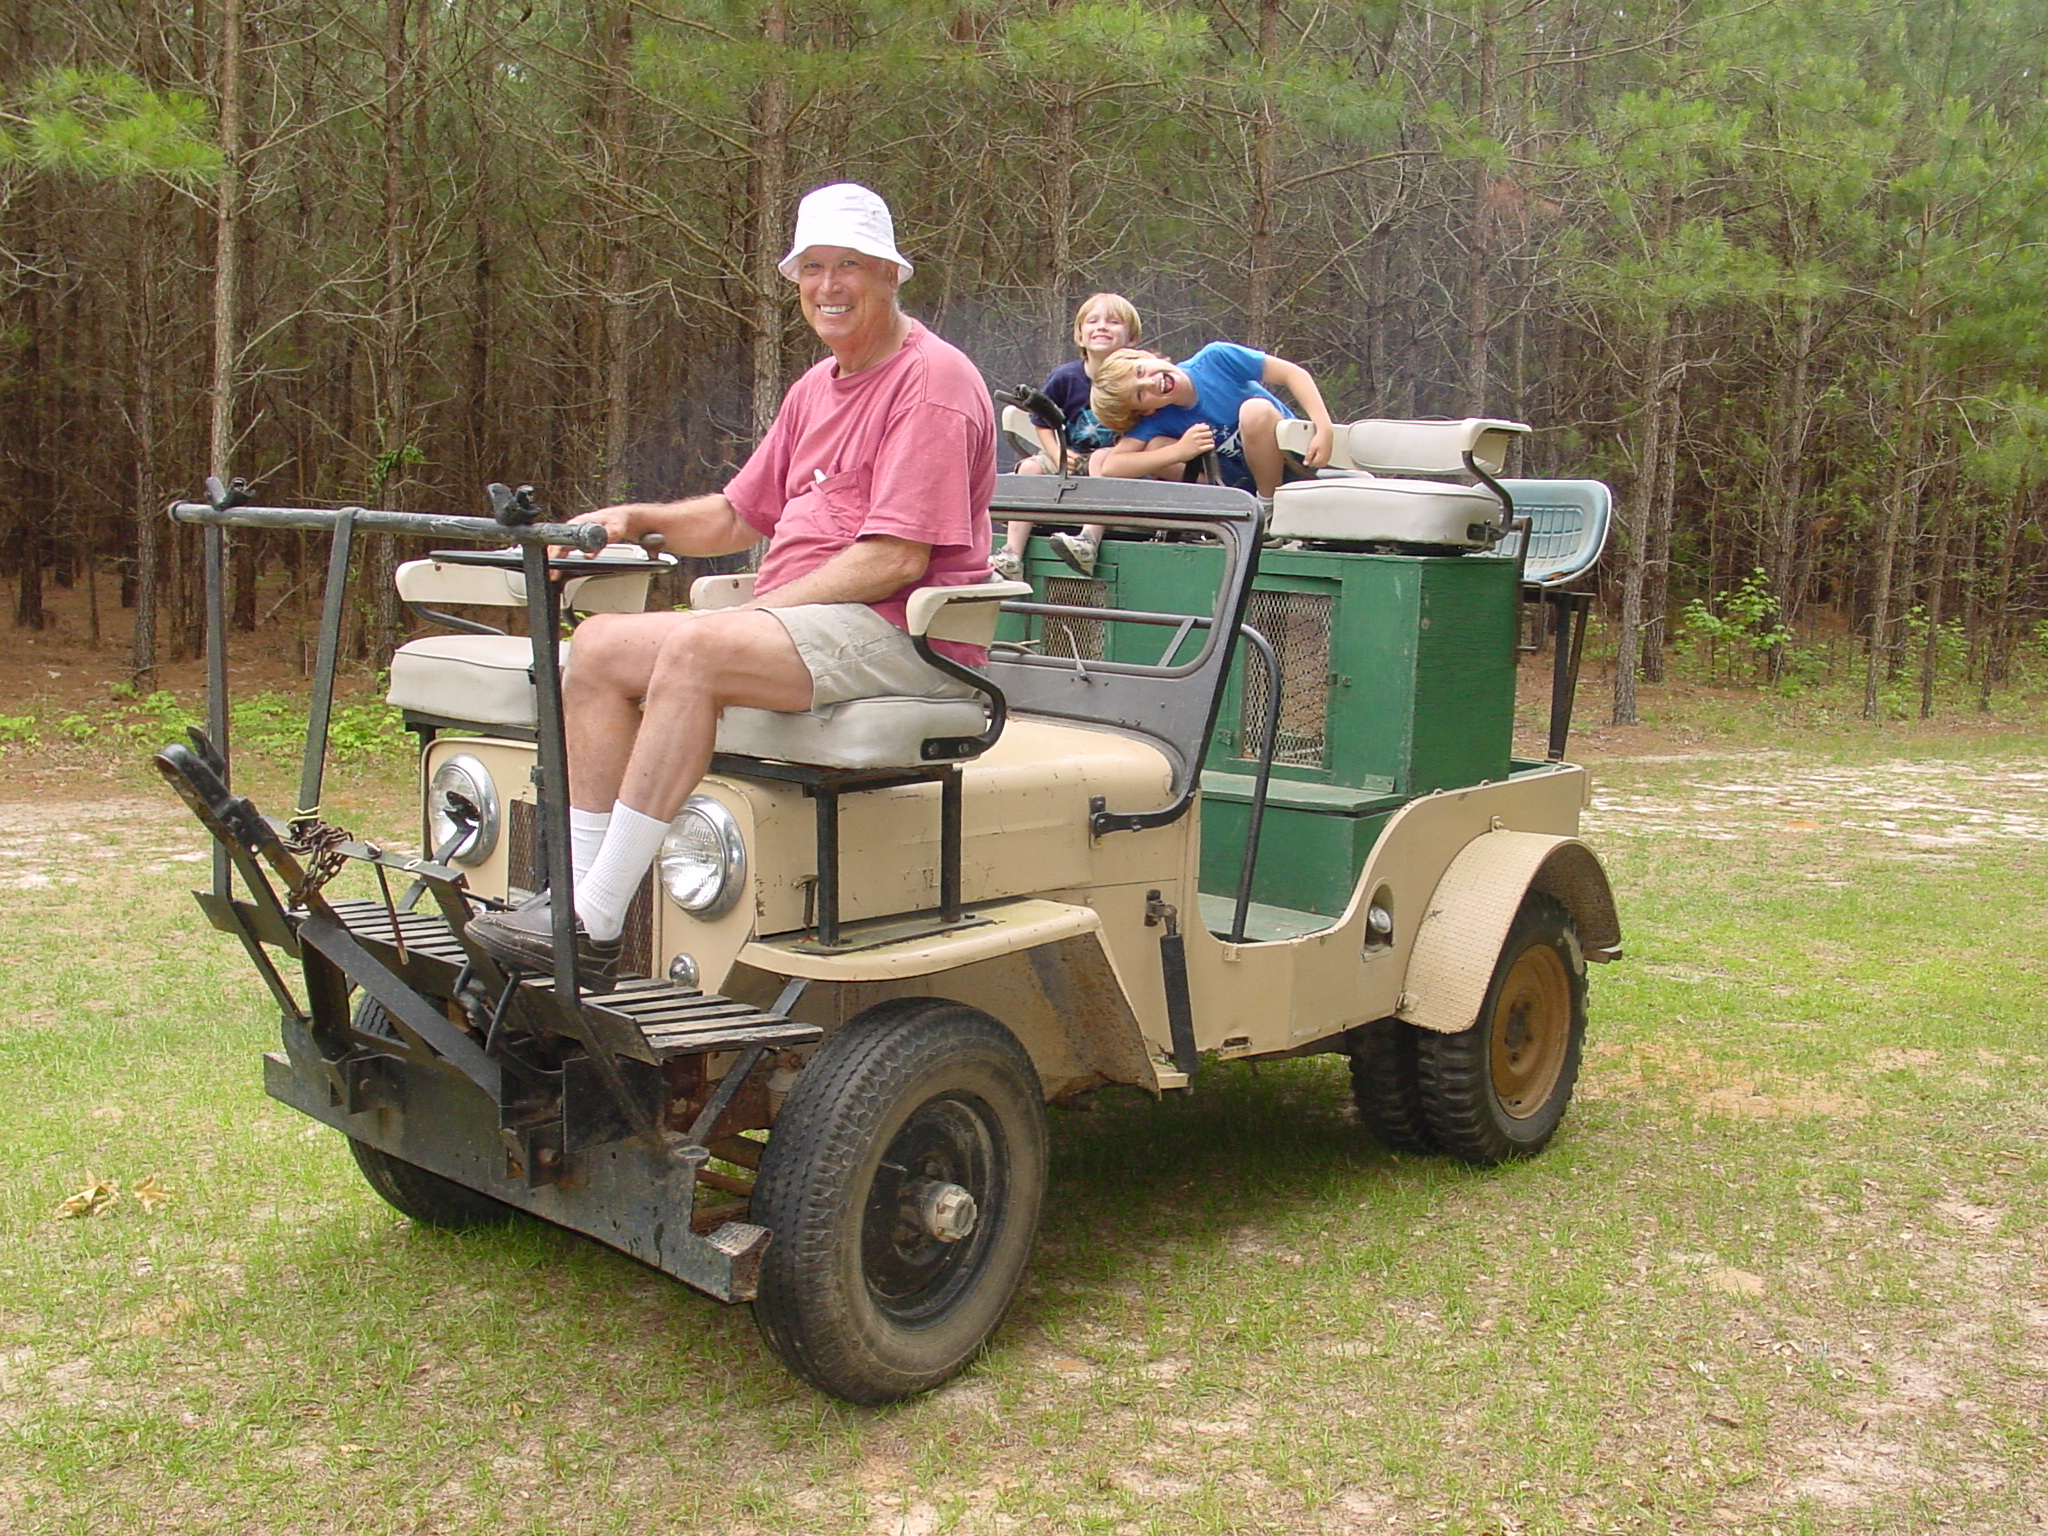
x=854 y=653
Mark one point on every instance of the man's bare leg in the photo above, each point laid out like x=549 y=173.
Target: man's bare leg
x=644 y=693
x=642 y=713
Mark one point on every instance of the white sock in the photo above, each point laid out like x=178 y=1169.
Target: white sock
x=607 y=891
x=586 y=836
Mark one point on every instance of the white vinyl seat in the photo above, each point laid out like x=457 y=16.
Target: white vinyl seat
x=486 y=679
x=1372 y=492
x=885 y=732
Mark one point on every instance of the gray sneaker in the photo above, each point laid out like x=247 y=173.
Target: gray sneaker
x=524 y=939
x=1006 y=565
x=1077 y=549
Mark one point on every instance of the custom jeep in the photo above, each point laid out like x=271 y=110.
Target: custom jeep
x=1246 y=791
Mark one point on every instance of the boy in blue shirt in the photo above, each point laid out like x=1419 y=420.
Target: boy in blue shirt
x=1169 y=414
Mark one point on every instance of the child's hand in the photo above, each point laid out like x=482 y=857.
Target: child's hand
x=1319 y=444
x=1196 y=441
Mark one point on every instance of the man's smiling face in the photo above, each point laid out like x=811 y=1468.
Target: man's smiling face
x=848 y=298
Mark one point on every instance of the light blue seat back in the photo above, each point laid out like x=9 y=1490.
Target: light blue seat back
x=1568 y=523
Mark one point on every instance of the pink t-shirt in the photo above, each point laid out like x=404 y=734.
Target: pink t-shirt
x=906 y=448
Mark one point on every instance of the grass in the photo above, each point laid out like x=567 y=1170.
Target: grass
x=1782 y=1272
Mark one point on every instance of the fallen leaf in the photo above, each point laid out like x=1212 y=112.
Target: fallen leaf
x=151 y=1195
x=97 y=1196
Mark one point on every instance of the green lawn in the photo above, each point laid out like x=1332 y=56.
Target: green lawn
x=1784 y=1271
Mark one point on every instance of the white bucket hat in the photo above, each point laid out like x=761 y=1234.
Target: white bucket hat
x=844 y=214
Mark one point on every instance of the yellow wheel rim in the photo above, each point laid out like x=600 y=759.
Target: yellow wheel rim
x=1532 y=1030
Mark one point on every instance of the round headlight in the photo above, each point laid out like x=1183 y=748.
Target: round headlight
x=462 y=808
x=703 y=862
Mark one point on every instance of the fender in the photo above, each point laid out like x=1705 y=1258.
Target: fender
x=1042 y=967
x=1472 y=907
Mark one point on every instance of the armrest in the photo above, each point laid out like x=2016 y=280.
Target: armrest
x=1411 y=447
x=966 y=615
x=722 y=591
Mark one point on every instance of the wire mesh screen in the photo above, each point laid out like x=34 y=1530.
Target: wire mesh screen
x=525 y=876
x=1078 y=638
x=1298 y=624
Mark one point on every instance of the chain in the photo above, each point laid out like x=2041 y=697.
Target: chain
x=319 y=844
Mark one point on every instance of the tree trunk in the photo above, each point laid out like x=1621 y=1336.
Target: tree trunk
x=767 y=216
x=1262 y=234
x=1657 y=565
x=1479 y=252
x=1636 y=530
x=1895 y=512
x=1930 y=653
x=1998 y=641
x=614 y=150
x=1784 y=484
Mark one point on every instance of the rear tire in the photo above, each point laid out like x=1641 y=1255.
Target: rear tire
x=1385 y=1085
x=917 y=1098
x=1497 y=1091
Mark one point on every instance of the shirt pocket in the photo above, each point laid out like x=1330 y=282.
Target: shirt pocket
x=843 y=503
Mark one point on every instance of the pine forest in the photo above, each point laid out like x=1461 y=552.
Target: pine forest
x=1774 y=269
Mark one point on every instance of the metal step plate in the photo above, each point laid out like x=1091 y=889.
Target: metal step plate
x=646 y=1020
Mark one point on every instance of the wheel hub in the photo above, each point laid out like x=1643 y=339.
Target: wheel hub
x=922 y=1236
x=942 y=1209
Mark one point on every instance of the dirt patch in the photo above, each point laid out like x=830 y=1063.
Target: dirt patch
x=1920 y=809
x=50 y=844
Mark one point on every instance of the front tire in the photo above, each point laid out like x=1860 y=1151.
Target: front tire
x=1497 y=1091
x=427 y=1198
x=881 y=1280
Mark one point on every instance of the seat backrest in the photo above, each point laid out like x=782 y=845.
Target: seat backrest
x=440 y=583
x=722 y=591
x=1410 y=447
x=1568 y=524
x=1022 y=431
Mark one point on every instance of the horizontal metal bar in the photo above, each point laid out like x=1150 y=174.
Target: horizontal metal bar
x=1116 y=615
x=588 y=537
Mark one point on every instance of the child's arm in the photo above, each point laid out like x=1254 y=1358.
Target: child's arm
x=1141 y=458
x=1292 y=377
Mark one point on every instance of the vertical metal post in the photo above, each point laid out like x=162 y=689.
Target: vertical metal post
x=214 y=544
x=551 y=773
x=950 y=805
x=828 y=864
x=1568 y=639
x=334 y=607
x=1255 y=816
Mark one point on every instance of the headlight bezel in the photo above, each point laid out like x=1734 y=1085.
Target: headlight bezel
x=721 y=831
x=481 y=790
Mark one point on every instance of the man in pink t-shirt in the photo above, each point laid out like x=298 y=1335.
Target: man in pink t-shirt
x=874 y=481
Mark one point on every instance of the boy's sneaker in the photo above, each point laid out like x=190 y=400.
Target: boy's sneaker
x=1077 y=549
x=1006 y=565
